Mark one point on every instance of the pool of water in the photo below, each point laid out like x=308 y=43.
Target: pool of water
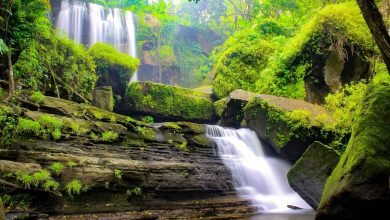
x=307 y=215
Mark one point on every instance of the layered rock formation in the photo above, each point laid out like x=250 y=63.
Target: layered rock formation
x=164 y=169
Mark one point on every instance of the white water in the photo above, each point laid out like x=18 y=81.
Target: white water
x=89 y=23
x=257 y=177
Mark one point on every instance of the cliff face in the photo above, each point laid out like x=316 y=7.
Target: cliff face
x=164 y=169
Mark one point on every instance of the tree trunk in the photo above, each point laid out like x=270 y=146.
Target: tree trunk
x=377 y=27
x=11 y=82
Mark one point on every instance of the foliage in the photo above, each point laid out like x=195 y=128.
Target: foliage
x=118 y=174
x=170 y=100
x=75 y=187
x=28 y=126
x=332 y=26
x=109 y=136
x=148 y=119
x=37 y=97
x=136 y=191
x=51 y=126
x=59 y=65
x=57 y=168
x=8 y=126
x=239 y=62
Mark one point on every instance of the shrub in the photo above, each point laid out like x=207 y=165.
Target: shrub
x=50 y=55
x=37 y=97
x=51 y=185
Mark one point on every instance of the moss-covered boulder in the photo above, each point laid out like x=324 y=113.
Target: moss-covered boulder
x=103 y=98
x=358 y=187
x=331 y=50
x=289 y=125
x=308 y=175
x=231 y=108
x=170 y=102
x=114 y=68
x=240 y=59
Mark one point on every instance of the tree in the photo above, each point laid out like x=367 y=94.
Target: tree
x=377 y=27
x=19 y=23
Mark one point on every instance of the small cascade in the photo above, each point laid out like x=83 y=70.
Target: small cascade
x=89 y=23
x=257 y=177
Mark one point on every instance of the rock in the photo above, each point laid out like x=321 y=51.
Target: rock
x=308 y=175
x=288 y=125
x=170 y=102
x=333 y=72
x=233 y=108
x=7 y=167
x=358 y=187
x=103 y=98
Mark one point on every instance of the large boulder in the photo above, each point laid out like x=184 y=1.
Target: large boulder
x=289 y=125
x=232 y=108
x=308 y=175
x=358 y=187
x=170 y=102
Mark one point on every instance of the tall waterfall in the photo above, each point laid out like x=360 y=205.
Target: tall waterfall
x=257 y=177
x=88 y=23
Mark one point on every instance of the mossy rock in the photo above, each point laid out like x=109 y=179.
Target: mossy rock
x=358 y=187
x=311 y=64
x=103 y=98
x=190 y=127
x=170 y=102
x=232 y=109
x=289 y=125
x=308 y=175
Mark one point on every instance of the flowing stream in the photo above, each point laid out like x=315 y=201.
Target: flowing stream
x=89 y=23
x=257 y=177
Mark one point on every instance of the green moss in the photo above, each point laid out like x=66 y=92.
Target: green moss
x=220 y=106
x=27 y=126
x=37 y=97
x=341 y=23
x=170 y=101
x=365 y=163
x=57 y=167
x=282 y=126
x=109 y=59
x=240 y=60
x=109 y=136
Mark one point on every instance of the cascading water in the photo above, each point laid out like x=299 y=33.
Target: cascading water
x=257 y=177
x=89 y=23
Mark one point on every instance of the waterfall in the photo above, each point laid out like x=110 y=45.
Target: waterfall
x=257 y=177
x=89 y=23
